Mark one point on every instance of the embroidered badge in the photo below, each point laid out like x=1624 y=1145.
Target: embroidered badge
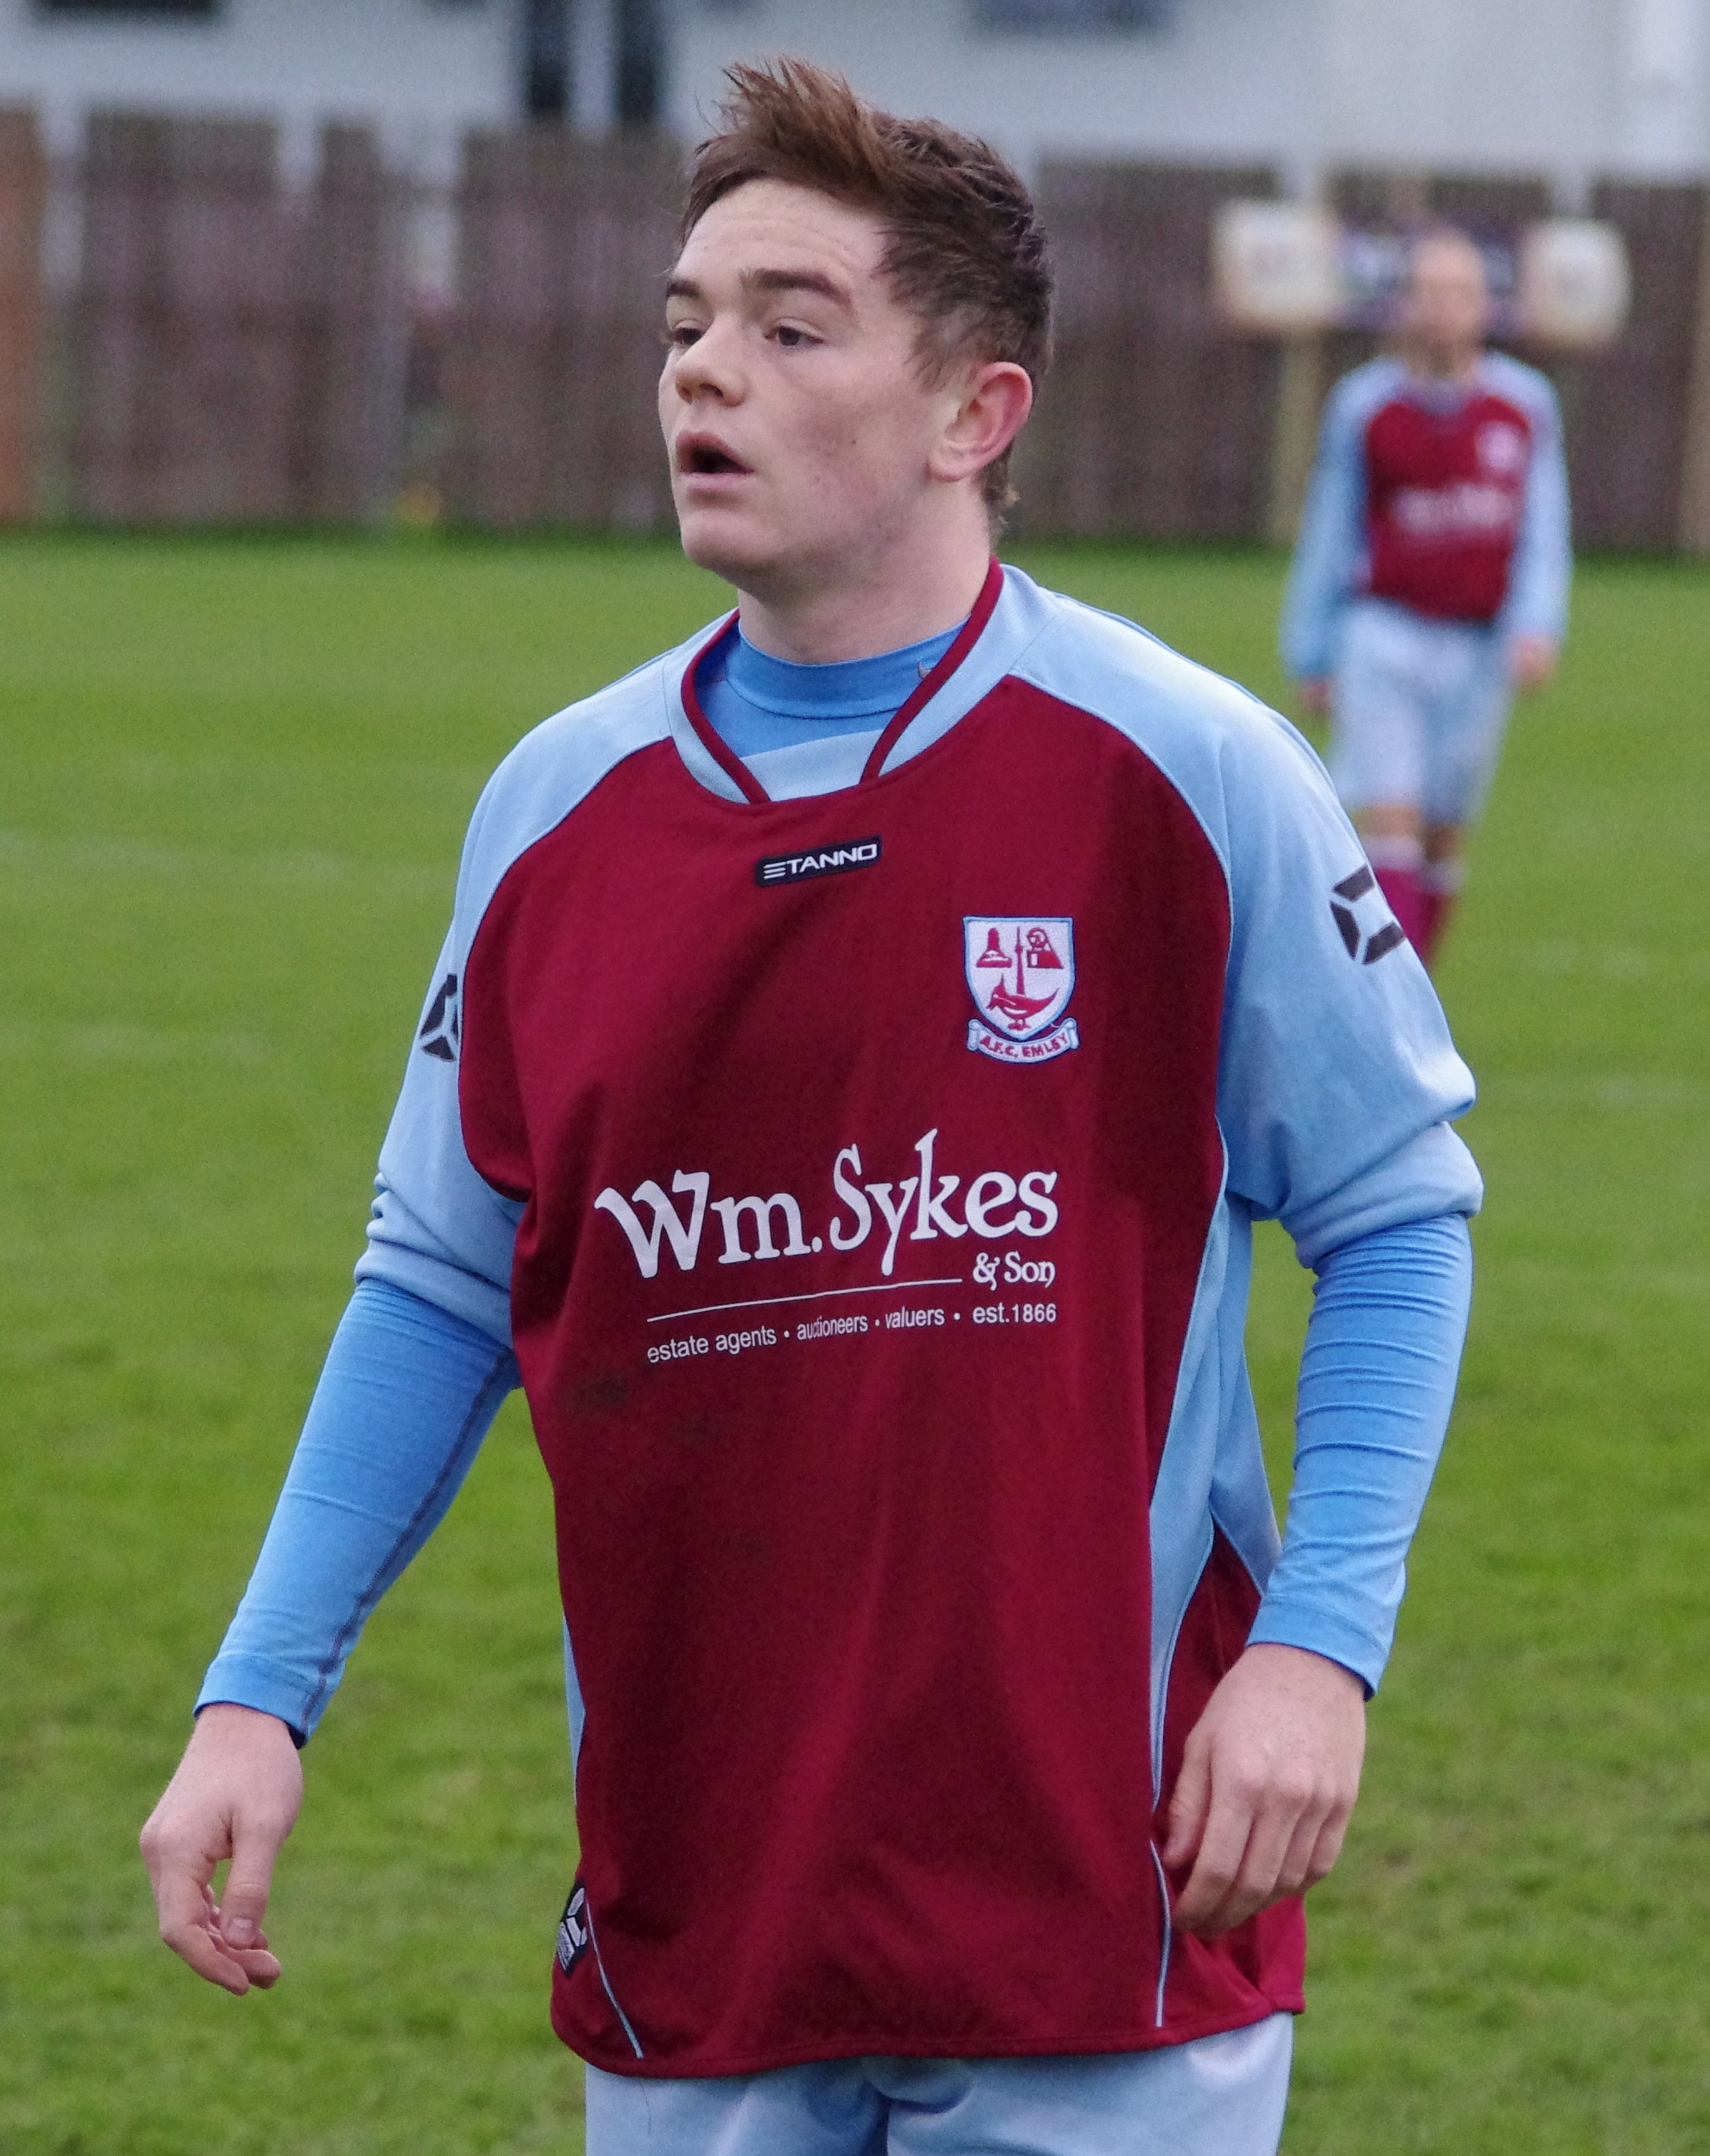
x=1020 y=971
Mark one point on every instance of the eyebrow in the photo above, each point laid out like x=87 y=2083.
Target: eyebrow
x=771 y=280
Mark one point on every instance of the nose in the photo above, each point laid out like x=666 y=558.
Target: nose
x=710 y=366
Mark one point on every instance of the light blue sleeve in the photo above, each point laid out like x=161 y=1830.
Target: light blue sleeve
x=1337 y=1078
x=1377 y=1382
x=438 y=1231
x=1331 y=548
x=1542 y=566
x=407 y=1394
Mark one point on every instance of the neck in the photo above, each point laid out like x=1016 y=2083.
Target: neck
x=1433 y=363
x=923 y=583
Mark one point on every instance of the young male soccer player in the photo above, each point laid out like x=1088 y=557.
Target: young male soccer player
x=1431 y=577
x=865 y=1041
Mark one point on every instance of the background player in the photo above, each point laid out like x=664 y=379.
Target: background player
x=952 y=1742
x=1431 y=576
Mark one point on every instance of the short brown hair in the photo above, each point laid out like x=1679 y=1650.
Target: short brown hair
x=964 y=249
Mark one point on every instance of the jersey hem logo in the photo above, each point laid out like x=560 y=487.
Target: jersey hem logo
x=574 y=1932
x=1020 y=970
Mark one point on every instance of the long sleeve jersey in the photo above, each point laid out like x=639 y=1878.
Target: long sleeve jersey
x=1451 y=500
x=863 y=1182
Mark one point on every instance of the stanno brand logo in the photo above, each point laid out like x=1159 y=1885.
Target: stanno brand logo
x=993 y=1207
x=828 y=861
x=1021 y=974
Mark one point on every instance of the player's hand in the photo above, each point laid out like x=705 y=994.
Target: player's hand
x=1268 y=1776
x=1313 y=691
x=1531 y=659
x=236 y=1795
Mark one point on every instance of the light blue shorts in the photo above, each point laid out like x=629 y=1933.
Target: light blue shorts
x=1218 y=2096
x=1417 y=710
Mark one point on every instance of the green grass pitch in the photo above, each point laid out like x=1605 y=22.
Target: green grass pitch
x=233 y=779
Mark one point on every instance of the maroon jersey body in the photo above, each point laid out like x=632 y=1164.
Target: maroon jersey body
x=868 y=1178
x=1444 y=491
x=888 y=1569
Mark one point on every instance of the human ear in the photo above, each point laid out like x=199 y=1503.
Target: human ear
x=992 y=404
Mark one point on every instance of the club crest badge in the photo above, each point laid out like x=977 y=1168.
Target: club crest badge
x=1020 y=971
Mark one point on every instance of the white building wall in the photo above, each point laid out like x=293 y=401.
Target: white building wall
x=1569 y=88
x=1234 y=81
x=1505 y=85
x=422 y=69
x=1662 y=78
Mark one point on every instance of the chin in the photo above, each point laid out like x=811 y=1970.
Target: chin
x=728 y=546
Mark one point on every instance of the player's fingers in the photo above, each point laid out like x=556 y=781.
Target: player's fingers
x=187 y=1926
x=256 y=1839
x=259 y=1963
x=1294 y=1871
x=1189 y=1803
x=1310 y=1854
x=1254 y=1880
x=1223 y=1847
x=1327 y=1847
x=261 y=1967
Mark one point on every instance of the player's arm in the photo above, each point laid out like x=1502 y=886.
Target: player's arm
x=414 y=1375
x=1271 y=1770
x=1337 y=1081
x=407 y=1394
x=1534 y=618
x=1328 y=549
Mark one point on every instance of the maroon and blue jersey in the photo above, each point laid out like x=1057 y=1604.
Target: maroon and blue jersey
x=867 y=1180
x=1447 y=499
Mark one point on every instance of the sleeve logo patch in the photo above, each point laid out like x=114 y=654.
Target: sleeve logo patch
x=826 y=860
x=1363 y=921
x=1020 y=971
x=574 y=1930
x=439 y=1029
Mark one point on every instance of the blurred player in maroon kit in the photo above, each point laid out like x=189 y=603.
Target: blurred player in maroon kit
x=1431 y=580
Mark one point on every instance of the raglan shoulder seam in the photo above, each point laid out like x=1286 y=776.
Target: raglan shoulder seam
x=1529 y=386
x=552 y=772
x=1199 y=701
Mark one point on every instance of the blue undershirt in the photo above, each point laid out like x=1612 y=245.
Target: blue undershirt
x=408 y=1391
x=806 y=729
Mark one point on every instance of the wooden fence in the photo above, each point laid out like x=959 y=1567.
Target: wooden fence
x=23 y=188
x=236 y=352
x=235 y=349
x=1154 y=419
x=565 y=242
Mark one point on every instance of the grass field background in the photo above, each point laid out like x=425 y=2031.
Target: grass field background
x=233 y=780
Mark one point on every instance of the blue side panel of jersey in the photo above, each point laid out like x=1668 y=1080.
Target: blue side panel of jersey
x=574 y=1708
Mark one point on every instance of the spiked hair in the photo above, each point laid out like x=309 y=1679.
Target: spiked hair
x=964 y=250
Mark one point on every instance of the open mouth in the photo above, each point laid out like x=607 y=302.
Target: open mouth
x=702 y=457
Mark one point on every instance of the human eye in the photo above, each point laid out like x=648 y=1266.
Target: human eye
x=679 y=336
x=792 y=337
